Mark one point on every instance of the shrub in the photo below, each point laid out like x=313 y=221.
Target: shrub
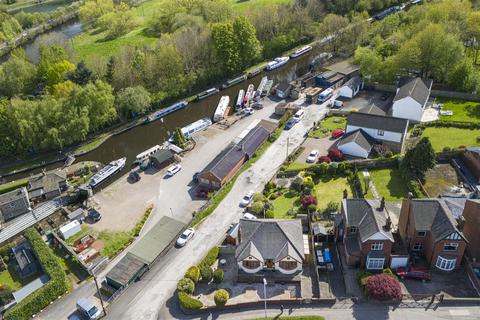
x=206 y=273
x=389 y=273
x=218 y=275
x=193 y=273
x=187 y=302
x=332 y=206
x=312 y=208
x=383 y=287
x=269 y=214
x=221 y=297
x=257 y=207
x=297 y=184
x=308 y=201
x=309 y=184
x=361 y=276
x=211 y=257
x=335 y=154
x=292 y=212
x=5 y=294
x=324 y=159
x=186 y=285
x=447 y=149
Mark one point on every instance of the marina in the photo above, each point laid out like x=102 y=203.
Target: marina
x=107 y=171
x=207 y=93
x=234 y=81
x=221 y=109
x=248 y=95
x=299 y=52
x=145 y=154
x=241 y=95
x=164 y=112
x=196 y=126
x=277 y=63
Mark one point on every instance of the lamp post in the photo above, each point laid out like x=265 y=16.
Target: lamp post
x=265 y=295
x=171 y=212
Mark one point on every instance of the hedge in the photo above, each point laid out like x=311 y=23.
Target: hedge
x=188 y=303
x=211 y=257
x=55 y=287
x=218 y=275
x=221 y=297
x=193 y=273
x=186 y=285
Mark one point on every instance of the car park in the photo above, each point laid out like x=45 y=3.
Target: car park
x=414 y=273
x=185 y=237
x=94 y=215
x=173 y=170
x=312 y=156
x=247 y=199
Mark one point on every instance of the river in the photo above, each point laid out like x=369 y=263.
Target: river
x=43 y=7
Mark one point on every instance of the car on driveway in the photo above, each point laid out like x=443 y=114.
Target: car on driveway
x=173 y=170
x=312 y=156
x=337 y=133
x=247 y=199
x=94 y=215
x=290 y=123
x=249 y=216
x=414 y=273
x=186 y=235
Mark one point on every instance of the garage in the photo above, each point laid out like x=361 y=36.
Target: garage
x=355 y=144
x=399 y=262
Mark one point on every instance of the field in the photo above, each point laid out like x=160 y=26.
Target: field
x=331 y=189
x=388 y=183
x=329 y=124
x=451 y=137
x=463 y=111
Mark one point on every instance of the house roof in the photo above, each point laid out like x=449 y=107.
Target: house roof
x=24 y=255
x=14 y=195
x=435 y=216
x=415 y=88
x=45 y=183
x=359 y=137
x=354 y=82
x=373 y=109
x=126 y=269
x=226 y=160
x=162 y=155
x=283 y=86
x=367 y=216
x=455 y=204
x=270 y=239
x=365 y=120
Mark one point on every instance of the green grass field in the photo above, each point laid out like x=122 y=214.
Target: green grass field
x=451 y=137
x=331 y=189
x=463 y=111
x=389 y=184
x=329 y=124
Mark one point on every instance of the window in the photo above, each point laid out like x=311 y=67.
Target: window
x=251 y=264
x=204 y=181
x=353 y=229
x=418 y=246
x=375 y=263
x=381 y=133
x=421 y=233
x=450 y=247
x=377 y=246
x=445 y=264
x=215 y=184
x=288 y=265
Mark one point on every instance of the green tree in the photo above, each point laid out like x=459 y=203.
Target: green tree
x=81 y=75
x=224 y=41
x=9 y=27
x=332 y=26
x=48 y=57
x=369 y=62
x=132 y=100
x=464 y=77
x=249 y=48
x=206 y=273
x=186 y=285
x=58 y=72
x=17 y=76
x=91 y=10
x=179 y=138
x=118 y=22
x=472 y=32
x=221 y=297
x=418 y=159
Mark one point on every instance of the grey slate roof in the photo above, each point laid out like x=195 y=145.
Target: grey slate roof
x=14 y=195
x=283 y=86
x=455 y=204
x=354 y=82
x=162 y=155
x=270 y=239
x=359 y=137
x=433 y=215
x=367 y=217
x=365 y=120
x=46 y=183
x=373 y=109
x=415 y=88
x=126 y=269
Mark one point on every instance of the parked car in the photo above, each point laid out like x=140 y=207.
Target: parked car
x=249 y=111
x=337 y=133
x=201 y=194
x=257 y=105
x=88 y=309
x=186 y=235
x=414 y=273
x=290 y=123
x=249 y=216
x=195 y=177
x=247 y=199
x=134 y=176
x=94 y=215
x=312 y=156
x=173 y=170
x=336 y=104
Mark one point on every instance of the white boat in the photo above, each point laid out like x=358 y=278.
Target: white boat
x=241 y=94
x=277 y=63
x=261 y=87
x=268 y=86
x=197 y=126
x=221 y=108
x=107 y=171
x=302 y=50
x=248 y=95
x=145 y=154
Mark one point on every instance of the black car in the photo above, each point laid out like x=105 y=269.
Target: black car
x=134 y=176
x=94 y=215
x=195 y=177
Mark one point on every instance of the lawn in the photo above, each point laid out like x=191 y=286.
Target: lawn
x=330 y=189
x=12 y=186
x=329 y=124
x=463 y=111
x=12 y=279
x=389 y=184
x=296 y=166
x=451 y=137
x=283 y=203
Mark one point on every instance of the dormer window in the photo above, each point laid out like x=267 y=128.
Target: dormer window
x=421 y=233
x=381 y=133
x=353 y=229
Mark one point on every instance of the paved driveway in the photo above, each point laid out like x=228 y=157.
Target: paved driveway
x=321 y=145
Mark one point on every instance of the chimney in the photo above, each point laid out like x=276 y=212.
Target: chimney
x=345 y=194
x=382 y=204
x=388 y=224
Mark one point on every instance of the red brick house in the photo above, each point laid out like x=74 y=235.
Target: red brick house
x=428 y=228
x=471 y=229
x=366 y=233
x=471 y=157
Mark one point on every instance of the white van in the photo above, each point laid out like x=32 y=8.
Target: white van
x=299 y=115
x=88 y=309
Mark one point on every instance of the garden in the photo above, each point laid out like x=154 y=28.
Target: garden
x=327 y=126
x=389 y=183
x=443 y=138
x=463 y=111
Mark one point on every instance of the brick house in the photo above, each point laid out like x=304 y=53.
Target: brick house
x=429 y=229
x=471 y=216
x=471 y=157
x=366 y=233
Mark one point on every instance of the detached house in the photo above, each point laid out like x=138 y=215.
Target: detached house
x=270 y=245
x=428 y=228
x=364 y=130
x=411 y=98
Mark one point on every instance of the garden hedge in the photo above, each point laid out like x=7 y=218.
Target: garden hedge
x=193 y=273
x=211 y=257
x=187 y=302
x=221 y=297
x=55 y=287
x=218 y=275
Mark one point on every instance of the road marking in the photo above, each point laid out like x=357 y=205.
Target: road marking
x=459 y=312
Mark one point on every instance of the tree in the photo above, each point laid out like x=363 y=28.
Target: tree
x=464 y=77
x=249 y=47
x=383 y=287
x=206 y=273
x=91 y=10
x=81 y=75
x=118 y=22
x=17 y=76
x=186 y=285
x=9 y=27
x=332 y=26
x=221 y=297
x=193 y=273
x=419 y=159
x=48 y=57
x=58 y=72
x=224 y=41
x=218 y=276
x=369 y=63
x=308 y=200
x=63 y=89
x=133 y=100
x=179 y=138
x=472 y=32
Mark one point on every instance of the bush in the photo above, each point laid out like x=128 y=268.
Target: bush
x=308 y=201
x=309 y=184
x=332 y=206
x=297 y=184
x=206 y=273
x=55 y=287
x=221 y=297
x=193 y=273
x=269 y=214
x=257 y=207
x=335 y=154
x=211 y=257
x=188 y=303
x=447 y=149
x=324 y=159
x=218 y=275
x=361 y=276
x=389 y=273
x=186 y=285
x=5 y=294
x=383 y=287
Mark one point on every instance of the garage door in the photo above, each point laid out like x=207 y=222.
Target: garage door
x=398 y=262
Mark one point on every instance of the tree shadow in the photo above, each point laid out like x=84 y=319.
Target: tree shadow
x=396 y=185
x=473 y=110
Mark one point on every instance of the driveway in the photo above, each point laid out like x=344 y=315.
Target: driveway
x=321 y=145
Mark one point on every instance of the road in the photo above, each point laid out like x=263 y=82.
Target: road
x=144 y=299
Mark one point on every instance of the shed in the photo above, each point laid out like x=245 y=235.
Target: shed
x=26 y=260
x=161 y=158
x=283 y=90
x=345 y=67
x=126 y=271
x=78 y=214
x=70 y=229
x=351 y=88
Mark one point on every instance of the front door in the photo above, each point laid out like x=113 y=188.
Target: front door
x=269 y=264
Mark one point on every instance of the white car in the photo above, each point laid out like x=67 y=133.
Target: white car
x=186 y=235
x=249 y=216
x=247 y=199
x=312 y=156
x=173 y=169
x=249 y=111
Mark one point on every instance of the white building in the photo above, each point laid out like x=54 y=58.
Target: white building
x=351 y=88
x=411 y=99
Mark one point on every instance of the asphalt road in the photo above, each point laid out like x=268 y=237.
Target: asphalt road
x=145 y=299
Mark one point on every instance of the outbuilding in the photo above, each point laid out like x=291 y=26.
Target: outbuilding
x=161 y=158
x=70 y=229
x=356 y=144
x=411 y=98
x=283 y=90
x=351 y=88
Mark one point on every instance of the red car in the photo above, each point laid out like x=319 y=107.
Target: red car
x=414 y=273
x=337 y=133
